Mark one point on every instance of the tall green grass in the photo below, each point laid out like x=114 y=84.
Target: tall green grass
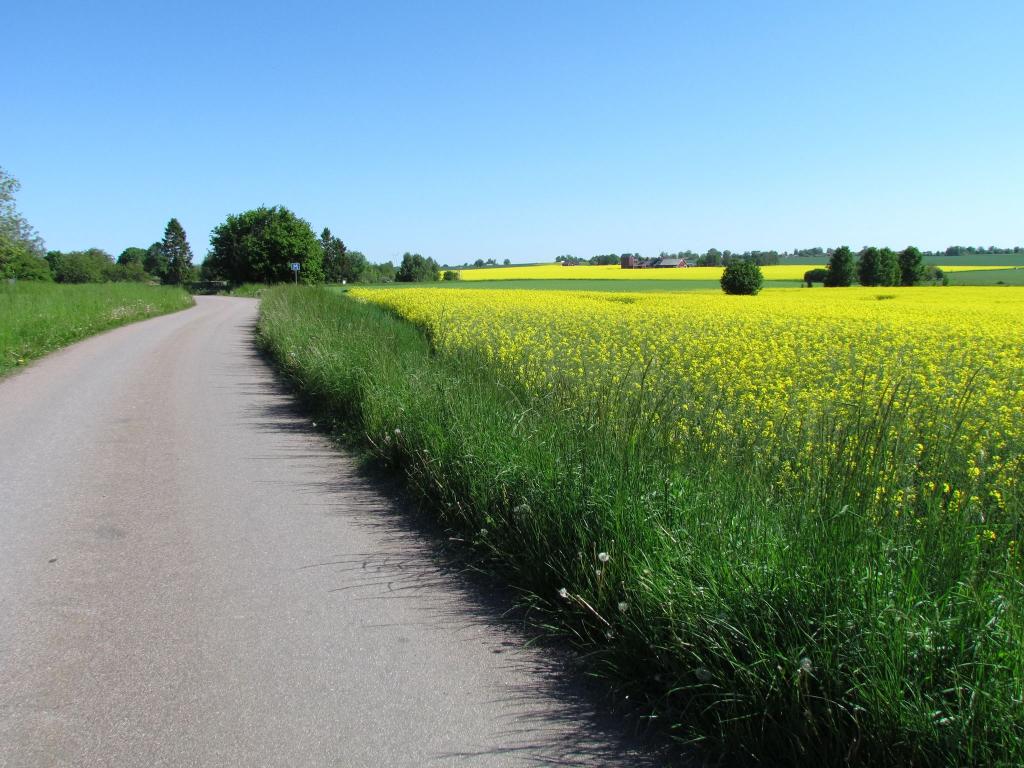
x=783 y=627
x=37 y=318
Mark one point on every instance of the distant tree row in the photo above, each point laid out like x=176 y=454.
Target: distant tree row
x=875 y=266
x=23 y=255
x=260 y=245
x=716 y=258
x=479 y=263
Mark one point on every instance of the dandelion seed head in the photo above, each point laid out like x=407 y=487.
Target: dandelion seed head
x=603 y=557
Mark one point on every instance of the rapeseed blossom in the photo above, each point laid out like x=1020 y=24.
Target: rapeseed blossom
x=924 y=391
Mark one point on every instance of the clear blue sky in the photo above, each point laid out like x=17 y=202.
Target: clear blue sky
x=523 y=130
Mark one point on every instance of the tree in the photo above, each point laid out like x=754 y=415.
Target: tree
x=379 y=273
x=742 y=277
x=132 y=272
x=341 y=264
x=869 y=267
x=155 y=262
x=90 y=266
x=176 y=250
x=18 y=262
x=417 y=269
x=840 y=268
x=889 y=266
x=133 y=255
x=258 y=246
x=334 y=251
x=13 y=226
x=911 y=266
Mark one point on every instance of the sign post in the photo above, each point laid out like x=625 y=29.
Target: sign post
x=295 y=268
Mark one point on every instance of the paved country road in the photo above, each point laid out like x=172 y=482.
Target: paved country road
x=191 y=576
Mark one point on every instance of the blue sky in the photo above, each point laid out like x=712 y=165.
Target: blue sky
x=524 y=130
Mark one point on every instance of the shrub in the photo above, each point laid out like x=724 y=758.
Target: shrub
x=18 y=262
x=742 y=278
x=812 y=276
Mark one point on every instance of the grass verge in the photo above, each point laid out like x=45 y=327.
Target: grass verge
x=37 y=318
x=778 y=632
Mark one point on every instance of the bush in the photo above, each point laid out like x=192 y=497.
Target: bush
x=451 y=275
x=17 y=262
x=812 y=276
x=742 y=278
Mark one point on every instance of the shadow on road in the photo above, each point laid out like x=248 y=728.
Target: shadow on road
x=415 y=559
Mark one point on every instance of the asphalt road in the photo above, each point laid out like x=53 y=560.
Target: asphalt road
x=191 y=576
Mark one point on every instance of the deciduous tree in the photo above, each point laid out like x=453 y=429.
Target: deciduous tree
x=742 y=277
x=417 y=269
x=841 y=271
x=911 y=266
x=257 y=246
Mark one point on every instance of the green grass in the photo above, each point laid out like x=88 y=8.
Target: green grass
x=1012 y=276
x=37 y=318
x=781 y=626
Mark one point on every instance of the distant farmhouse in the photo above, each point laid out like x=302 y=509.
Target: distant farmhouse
x=630 y=261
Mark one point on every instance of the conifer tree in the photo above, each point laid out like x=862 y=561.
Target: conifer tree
x=176 y=250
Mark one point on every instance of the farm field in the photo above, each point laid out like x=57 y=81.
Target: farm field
x=583 y=284
x=782 y=273
x=37 y=318
x=963 y=261
x=993 y=276
x=614 y=272
x=792 y=520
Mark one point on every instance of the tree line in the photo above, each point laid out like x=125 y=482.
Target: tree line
x=875 y=266
x=258 y=245
x=716 y=258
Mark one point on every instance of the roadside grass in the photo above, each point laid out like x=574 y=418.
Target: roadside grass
x=37 y=318
x=779 y=627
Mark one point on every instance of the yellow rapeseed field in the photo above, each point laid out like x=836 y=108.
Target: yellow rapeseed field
x=922 y=388
x=615 y=272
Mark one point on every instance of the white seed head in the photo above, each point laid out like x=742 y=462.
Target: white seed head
x=623 y=606
x=563 y=593
x=603 y=557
